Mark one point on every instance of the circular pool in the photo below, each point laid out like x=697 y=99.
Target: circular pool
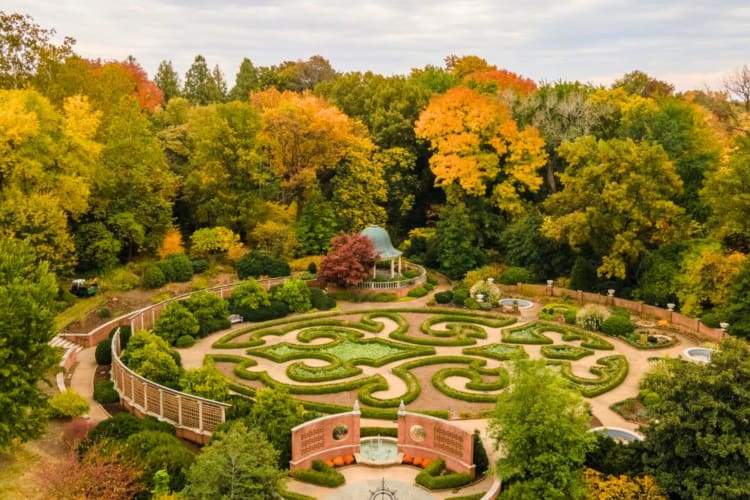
x=521 y=303
x=619 y=434
x=378 y=451
x=698 y=354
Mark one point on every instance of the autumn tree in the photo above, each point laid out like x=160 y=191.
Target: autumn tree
x=499 y=82
x=26 y=50
x=27 y=324
x=214 y=241
x=621 y=487
x=541 y=424
x=738 y=83
x=479 y=150
x=349 y=262
x=461 y=66
x=617 y=201
x=297 y=76
x=639 y=83
x=696 y=445
x=168 y=80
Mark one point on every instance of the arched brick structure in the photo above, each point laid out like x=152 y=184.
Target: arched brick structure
x=314 y=440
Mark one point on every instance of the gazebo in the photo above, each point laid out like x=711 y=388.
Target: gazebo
x=383 y=248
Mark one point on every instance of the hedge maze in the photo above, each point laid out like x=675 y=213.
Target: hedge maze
x=465 y=355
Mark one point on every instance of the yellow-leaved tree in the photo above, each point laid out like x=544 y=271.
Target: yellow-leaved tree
x=478 y=148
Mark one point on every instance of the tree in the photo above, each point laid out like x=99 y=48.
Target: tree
x=96 y=248
x=296 y=294
x=617 y=201
x=27 y=294
x=256 y=264
x=248 y=295
x=206 y=382
x=456 y=242
x=461 y=66
x=150 y=356
x=175 y=321
x=211 y=311
x=350 y=260
x=238 y=464
x=696 y=445
x=203 y=86
x=541 y=425
x=154 y=450
x=621 y=487
x=214 y=240
x=276 y=413
x=639 y=83
x=479 y=150
x=26 y=50
x=500 y=81
x=245 y=82
x=738 y=305
x=168 y=80
x=738 y=83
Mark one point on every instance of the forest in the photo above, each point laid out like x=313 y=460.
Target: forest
x=633 y=187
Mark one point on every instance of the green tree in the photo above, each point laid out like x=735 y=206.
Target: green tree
x=150 y=356
x=248 y=295
x=296 y=294
x=214 y=240
x=27 y=294
x=96 y=248
x=155 y=450
x=275 y=413
x=211 y=311
x=238 y=464
x=245 y=82
x=206 y=382
x=175 y=321
x=697 y=443
x=316 y=225
x=738 y=305
x=204 y=86
x=639 y=83
x=456 y=242
x=617 y=201
x=168 y=80
x=541 y=425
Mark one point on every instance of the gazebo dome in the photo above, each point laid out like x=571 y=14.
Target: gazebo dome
x=382 y=242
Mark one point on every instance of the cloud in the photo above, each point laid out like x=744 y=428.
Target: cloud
x=543 y=39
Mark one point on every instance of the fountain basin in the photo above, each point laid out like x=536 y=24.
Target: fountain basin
x=379 y=451
x=619 y=434
x=521 y=303
x=698 y=354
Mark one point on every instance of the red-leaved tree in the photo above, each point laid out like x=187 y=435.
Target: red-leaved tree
x=349 y=262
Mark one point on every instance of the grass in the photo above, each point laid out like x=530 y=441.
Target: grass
x=15 y=469
x=80 y=309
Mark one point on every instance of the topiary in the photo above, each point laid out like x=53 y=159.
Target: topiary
x=105 y=393
x=153 y=277
x=184 y=341
x=312 y=268
x=103 y=353
x=617 y=326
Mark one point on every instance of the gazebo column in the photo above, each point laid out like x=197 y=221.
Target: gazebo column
x=392 y=270
x=399 y=265
x=375 y=270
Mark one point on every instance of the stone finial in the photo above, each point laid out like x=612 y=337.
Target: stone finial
x=356 y=409
x=401 y=409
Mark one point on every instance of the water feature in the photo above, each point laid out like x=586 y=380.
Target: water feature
x=619 y=434
x=698 y=354
x=379 y=451
x=521 y=303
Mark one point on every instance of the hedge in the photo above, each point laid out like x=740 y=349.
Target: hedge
x=320 y=474
x=105 y=393
x=432 y=478
x=292 y=495
x=611 y=370
x=417 y=292
x=378 y=431
x=617 y=326
x=103 y=353
x=565 y=352
x=184 y=341
x=499 y=352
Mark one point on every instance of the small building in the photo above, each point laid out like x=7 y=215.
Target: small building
x=383 y=248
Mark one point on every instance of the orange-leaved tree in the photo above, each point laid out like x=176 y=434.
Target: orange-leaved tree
x=478 y=147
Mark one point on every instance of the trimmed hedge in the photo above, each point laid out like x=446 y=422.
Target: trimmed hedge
x=320 y=474
x=610 y=370
x=291 y=495
x=565 y=352
x=184 y=341
x=378 y=431
x=617 y=326
x=432 y=477
x=417 y=292
x=444 y=297
x=103 y=353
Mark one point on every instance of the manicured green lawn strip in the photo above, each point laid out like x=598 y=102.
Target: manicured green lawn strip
x=525 y=334
x=499 y=352
x=565 y=352
x=611 y=371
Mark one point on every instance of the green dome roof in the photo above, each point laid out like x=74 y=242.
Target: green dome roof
x=381 y=241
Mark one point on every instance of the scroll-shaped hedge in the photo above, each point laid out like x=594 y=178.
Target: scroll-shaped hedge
x=609 y=370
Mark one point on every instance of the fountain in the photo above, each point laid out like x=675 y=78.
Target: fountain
x=618 y=434
x=698 y=354
x=520 y=303
x=379 y=451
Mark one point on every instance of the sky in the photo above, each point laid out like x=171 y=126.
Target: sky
x=691 y=44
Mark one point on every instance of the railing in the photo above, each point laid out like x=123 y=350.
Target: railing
x=389 y=285
x=184 y=411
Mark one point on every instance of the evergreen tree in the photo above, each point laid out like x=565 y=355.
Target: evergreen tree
x=168 y=80
x=197 y=87
x=245 y=82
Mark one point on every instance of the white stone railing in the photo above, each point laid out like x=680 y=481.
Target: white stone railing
x=390 y=285
x=194 y=414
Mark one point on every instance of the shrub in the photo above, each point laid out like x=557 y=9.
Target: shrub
x=199 y=265
x=168 y=270
x=617 y=326
x=68 y=404
x=471 y=303
x=296 y=295
x=380 y=297
x=514 y=275
x=312 y=268
x=103 y=353
x=321 y=474
x=104 y=313
x=182 y=267
x=712 y=318
x=276 y=309
x=591 y=317
x=184 y=341
x=460 y=295
x=444 y=297
x=419 y=291
x=570 y=316
x=433 y=478
x=255 y=264
x=481 y=460
x=320 y=301
x=153 y=277
x=105 y=393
